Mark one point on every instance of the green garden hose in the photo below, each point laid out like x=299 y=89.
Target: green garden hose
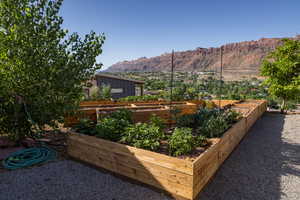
x=29 y=157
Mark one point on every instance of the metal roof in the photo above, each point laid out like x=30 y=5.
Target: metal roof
x=116 y=77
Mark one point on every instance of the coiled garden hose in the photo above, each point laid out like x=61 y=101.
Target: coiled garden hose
x=29 y=157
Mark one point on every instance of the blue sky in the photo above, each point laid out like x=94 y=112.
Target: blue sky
x=137 y=28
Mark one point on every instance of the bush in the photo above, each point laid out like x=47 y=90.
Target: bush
x=181 y=142
x=142 y=135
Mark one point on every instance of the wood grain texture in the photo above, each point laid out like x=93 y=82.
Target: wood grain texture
x=183 y=179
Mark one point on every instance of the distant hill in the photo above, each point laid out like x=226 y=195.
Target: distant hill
x=239 y=59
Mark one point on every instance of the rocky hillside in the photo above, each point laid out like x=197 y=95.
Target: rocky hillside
x=243 y=58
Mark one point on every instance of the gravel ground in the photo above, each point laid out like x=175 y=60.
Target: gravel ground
x=265 y=166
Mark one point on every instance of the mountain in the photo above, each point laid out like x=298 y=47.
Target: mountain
x=239 y=59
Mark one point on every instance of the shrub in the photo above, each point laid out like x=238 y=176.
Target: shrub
x=181 y=142
x=142 y=135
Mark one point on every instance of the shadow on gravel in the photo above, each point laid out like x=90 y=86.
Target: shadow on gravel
x=255 y=168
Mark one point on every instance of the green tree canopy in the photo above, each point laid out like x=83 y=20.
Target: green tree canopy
x=42 y=67
x=282 y=69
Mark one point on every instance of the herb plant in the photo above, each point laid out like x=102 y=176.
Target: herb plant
x=143 y=135
x=157 y=121
x=181 y=142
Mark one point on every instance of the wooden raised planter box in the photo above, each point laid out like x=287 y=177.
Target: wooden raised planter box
x=183 y=179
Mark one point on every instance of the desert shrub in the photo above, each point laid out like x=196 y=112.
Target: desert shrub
x=143 y=135
x=181 y=142
x=85 y=126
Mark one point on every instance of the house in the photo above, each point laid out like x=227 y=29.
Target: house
x=120 y=87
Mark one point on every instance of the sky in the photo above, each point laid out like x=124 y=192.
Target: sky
x=138 y=28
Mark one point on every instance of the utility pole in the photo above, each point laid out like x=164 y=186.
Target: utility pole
x=172 y=77
x=221 y=72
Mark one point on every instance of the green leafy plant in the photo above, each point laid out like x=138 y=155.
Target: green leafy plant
x=181 y=142
x=105 y=92
x=213 y=123
x=43 y=68
x=112 y=126
x=141 y=98
x=186 y=121
x=85 y=126
x=231 y=116
x=142 y=135
x=282 y=69
x=122 y=114
x=214 y=126
x=157 y=121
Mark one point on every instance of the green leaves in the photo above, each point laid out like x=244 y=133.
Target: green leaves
x=282 y=69
x=143 y=135
x=113 y=126
x=183 y=142
x=41 y=63
x=213 y=123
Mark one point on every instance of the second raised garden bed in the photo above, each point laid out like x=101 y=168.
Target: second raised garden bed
x=183 y=179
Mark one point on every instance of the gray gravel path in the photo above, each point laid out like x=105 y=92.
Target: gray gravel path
x=265 y=166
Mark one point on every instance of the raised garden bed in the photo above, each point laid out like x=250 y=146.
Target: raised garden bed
x=141 y=110
x=182 y=178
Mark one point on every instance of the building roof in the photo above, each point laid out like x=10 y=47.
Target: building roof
x=119 y=78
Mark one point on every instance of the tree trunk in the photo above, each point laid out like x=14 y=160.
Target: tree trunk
x=282 y=107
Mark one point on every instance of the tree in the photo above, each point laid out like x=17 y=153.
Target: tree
x=282 y=69
x=42 y=68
